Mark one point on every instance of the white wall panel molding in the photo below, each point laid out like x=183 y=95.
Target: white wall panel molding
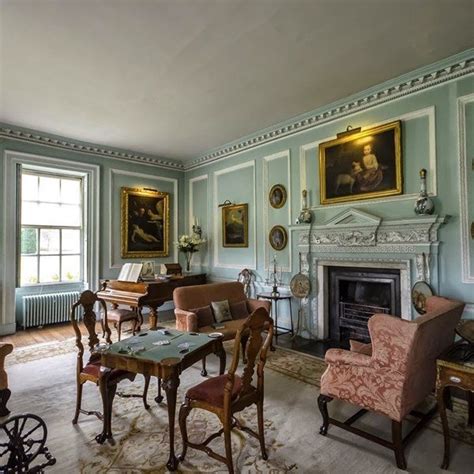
x=282 y=155
x=467 y=258
x=251 y=265
x=207 y=229
x=13 y=133
x=10 y=224
x=115 y=242
x=388 y=92
x=428 y=112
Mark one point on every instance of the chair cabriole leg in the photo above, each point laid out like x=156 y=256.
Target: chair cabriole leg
x=78 y=403
x=323 y=408
x=261 y=429
x=228 y=445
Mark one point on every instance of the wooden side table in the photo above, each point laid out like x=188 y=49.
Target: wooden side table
x=454 y=369
x=275 y=299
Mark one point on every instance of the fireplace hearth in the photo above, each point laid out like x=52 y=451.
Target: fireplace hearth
x=355 y=294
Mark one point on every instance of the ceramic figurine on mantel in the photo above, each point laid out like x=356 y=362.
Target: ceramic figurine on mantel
x=424 y=205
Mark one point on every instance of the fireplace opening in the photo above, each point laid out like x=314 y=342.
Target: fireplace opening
x=355 y=294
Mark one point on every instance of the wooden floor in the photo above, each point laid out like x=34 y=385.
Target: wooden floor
x=55 y=332
x=59 y=332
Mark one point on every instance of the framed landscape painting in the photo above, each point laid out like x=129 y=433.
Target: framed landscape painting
x=361 y=165
x=145 y=223
x=235 y=226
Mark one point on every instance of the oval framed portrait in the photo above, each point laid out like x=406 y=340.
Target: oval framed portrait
x=278 y=237
x=419 y=293
x=277 y=196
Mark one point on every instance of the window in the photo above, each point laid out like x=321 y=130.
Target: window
x=52 y=230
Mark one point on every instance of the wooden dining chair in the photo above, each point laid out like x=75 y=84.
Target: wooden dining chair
x=91 y=371
x=230 y=393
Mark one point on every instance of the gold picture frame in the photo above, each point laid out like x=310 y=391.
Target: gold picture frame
x=362 y=165
x=277 y=196
x=235 y=225
x=145 y=223
x=278 y=237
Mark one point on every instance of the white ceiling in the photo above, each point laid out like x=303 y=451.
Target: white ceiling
x=176 y=78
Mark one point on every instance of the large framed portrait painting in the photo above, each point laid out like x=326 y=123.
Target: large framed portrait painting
x=235 y=226
x=361 y=165
x=145 y=223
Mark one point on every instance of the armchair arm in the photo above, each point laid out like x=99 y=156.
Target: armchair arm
x=341 y=356
x=253 y=304
x=360 y=347
x=186 y=320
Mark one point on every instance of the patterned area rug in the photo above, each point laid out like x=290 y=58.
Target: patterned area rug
x=142 y=436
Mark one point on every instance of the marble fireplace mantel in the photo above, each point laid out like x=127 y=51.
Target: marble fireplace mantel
x=356 y=238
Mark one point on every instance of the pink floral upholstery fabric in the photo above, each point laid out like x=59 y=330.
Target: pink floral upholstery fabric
x=400 y=372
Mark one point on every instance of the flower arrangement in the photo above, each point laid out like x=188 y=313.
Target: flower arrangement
x=189 y=244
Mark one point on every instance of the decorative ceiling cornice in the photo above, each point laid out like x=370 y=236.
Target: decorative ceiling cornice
x=13 y=133
x=403 y=88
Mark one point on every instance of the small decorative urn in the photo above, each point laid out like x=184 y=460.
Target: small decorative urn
x=424 y=205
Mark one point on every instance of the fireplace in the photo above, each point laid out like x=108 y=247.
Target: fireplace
x=355 y=294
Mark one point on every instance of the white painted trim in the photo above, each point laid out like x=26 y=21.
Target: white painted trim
x=216 y=263
x=11 y=132
x=190 y=214
x=285 y=154
x=432 y=175
x=466 y=257
x=92 y=172
x=113 y=242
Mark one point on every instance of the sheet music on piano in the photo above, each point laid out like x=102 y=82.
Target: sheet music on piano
x=130 y=272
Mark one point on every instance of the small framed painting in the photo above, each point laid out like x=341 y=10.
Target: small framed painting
x=361 y=165
x=145 y=223
x=277 y=196
x=278 y=237
x=235 y=225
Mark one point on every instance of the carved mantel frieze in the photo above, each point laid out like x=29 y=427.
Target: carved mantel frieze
x=364 y=231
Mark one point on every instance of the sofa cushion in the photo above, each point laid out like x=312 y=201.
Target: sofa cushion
x=221 y=310
x=204 y=315
x=229 y=330
x=239 y=310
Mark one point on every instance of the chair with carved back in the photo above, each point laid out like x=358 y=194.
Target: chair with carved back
x=91 y=370
x=230 y=393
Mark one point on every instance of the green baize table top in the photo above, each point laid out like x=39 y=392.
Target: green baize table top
x=141 y=346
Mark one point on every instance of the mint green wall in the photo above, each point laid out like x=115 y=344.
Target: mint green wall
x=114 y=173
x=430 y=137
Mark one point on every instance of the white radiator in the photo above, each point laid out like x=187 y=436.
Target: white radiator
x=39 y=310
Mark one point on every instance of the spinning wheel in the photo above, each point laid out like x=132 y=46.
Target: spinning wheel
x=22 y=439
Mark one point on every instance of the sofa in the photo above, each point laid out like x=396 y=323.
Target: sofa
x=193 y=309
x=393 y=374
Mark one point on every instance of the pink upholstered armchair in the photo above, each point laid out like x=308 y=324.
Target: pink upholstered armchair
x=394 y=373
